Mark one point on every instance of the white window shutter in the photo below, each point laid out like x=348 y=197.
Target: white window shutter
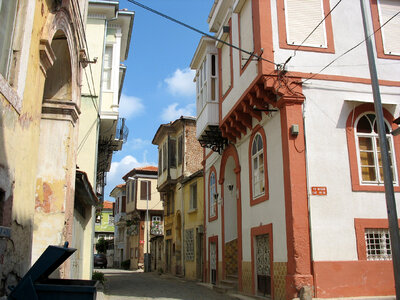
x=302 y=16
x=391 y=31
x=226 y=68
x=246 y=30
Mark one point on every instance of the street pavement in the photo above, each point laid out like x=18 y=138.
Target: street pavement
x=126 y=285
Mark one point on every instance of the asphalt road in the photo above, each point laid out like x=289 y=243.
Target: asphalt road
x=121 y=285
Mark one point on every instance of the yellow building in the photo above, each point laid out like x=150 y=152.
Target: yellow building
x=180 y=156
x=42 y=195
x=193 y=212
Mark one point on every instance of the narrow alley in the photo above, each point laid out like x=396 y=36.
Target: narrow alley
x=121 y=285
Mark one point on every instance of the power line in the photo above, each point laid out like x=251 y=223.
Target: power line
x=199 y=31
x=352 y=48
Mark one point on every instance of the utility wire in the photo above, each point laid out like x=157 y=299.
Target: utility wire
x=199 y=31
x=352 y=48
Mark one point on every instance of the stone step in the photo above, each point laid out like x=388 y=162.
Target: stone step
x=233 y=277
x=228 y=282
x=223 y=289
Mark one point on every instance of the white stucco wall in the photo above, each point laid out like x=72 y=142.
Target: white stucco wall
x=332 y=216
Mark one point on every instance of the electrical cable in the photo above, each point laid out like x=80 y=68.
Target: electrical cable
x=352 y=48
x=199 y=31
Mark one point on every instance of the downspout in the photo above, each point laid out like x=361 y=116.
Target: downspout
x=308 y=192
x=183 y=204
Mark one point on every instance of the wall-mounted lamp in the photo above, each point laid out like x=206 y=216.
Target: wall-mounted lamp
x=230 y=187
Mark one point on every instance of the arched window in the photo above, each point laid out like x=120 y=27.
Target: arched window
x=257 y=160
x=369 y=152
x=213 y=195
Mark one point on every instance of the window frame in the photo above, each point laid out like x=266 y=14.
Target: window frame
x=10 y=35
x=282 y=25
x=243 y=63
x=354 y=116
x=258 y=131
x=211 y=218
x=222 y=94
x=108 y=85
x=378 y=37
x=193 y=197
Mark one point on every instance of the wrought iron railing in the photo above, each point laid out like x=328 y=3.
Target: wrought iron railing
x=122 y=131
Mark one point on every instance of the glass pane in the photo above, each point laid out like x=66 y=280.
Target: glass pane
x=365 y=143
x=213 y=65
x=254 y=147
x=255 y=164
x=213 y=89
x=364 y=125
x=7 y=14
x=368 y=174
x=367 y=158
x=387 y=131
x=259 y=143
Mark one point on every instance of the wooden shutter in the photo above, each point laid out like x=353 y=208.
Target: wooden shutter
x=123 y=208
x=172 y=153
x=246 y=31
x=180 y=149
x=226 y=68
x=302 y=16
x=145 y=192
x=391 y=31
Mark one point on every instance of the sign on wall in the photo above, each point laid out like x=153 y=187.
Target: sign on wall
x=319 y=190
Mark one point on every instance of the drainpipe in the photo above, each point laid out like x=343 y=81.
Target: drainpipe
x=308 y=189
x=183 y=202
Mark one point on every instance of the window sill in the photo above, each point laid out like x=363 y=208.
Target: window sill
x=192 y=210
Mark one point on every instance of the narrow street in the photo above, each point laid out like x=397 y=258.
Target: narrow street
x=121 y=284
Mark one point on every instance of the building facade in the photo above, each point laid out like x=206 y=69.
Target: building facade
x=40 y=107
x=294 y=195
x=144 y=217
x=179 y=157
x=120 y=236
x=104 y=225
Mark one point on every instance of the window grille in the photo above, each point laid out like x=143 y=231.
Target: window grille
x=378 y=244
x=189 y=244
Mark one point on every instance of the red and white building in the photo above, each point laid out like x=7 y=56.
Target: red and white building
x=295 y=199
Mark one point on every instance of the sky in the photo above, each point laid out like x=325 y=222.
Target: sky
x=158 y=85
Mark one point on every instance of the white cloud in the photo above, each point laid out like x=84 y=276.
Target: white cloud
x=130 y=106
x=137 y=144
x=172 y=112
x=181 y=83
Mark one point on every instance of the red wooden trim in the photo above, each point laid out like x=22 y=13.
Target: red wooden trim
x=378 y=35
x=260 y=230
x=352 y=149
x=262 y=198
x=223 y=96
x=212 y=170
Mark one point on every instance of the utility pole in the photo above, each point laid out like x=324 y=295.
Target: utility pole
x=147 y=257
x=387 y=172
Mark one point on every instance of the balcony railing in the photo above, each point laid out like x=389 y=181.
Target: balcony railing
x=122 y=131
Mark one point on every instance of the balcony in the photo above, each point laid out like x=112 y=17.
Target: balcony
x=156 y=228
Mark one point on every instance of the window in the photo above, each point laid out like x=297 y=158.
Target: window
x=7 y=17
x=110 y=220
x=189 y=244
x=378 y=244
x=128 y=191
x=213 y=78
x=298 y=18
x=213 y=195
x=180 y=149
x=258 y=175
x=387 y=41
x=246 y=32
x=193 y=196
x=160 y=161
x=164 y=160
x=257 y=158
x=145 y=190
x=226 y=68
x=172 y=153
x=369 y=159
x=107 y=67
